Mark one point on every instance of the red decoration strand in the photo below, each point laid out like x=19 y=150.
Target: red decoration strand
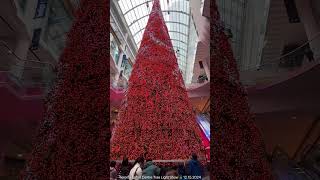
x=157 y=120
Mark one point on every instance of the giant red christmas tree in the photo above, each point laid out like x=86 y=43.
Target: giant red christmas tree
x=157 y=119
x=238 y=150
x=73 y=138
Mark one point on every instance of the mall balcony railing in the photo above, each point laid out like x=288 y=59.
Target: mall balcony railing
x=33 y=73
x=293 y=61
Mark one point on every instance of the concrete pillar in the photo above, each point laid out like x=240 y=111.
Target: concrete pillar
x=311 y=26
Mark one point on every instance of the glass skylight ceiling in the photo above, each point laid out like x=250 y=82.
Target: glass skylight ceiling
x=176 y=16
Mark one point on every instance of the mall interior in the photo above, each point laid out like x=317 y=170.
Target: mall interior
x=276 y=45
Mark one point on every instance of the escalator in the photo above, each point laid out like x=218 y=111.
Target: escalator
x=286 y=168
x=204 y=124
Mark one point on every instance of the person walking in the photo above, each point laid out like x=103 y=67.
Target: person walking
x=150 y=170
x=182 y=170
x=113 y=171
x=136 y=171
x=194 y=167
x=124 y=169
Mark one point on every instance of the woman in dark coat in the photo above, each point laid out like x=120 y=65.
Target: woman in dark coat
x=124 y=169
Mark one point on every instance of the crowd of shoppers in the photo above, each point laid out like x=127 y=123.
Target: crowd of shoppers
x=141 y=169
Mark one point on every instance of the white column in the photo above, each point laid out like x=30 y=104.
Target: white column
x=310 y=24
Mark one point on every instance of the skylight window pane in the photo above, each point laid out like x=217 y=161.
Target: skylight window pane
x=175 y=43
x=136 y=14
x=134 y=3
x=185 y=18
x=143 y=22
x=171 y=6
x=128 y=5
x=167 y=6
x=184 y=46
x=139 y=25
x=184 y=29
x=177 y=5
x=175 y=20
x=173 y=16
x=131 y=4
x=163 y=4
x=130 y=17
x=173 y=26
x=144 y=11
x=180 y=26
x=134 y=28
x=184 y=38
x=180 y=6
x=136 y=39
x=142 y=32
x=166 y=16
x=140 y=36
x=140 y=11
x=169 y=27
x=187 y=6
x=122 y=6
x=179 y=18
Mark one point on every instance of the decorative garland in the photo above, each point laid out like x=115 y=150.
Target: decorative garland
x=238 y=150
x=157 y=120
x=73 y=139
